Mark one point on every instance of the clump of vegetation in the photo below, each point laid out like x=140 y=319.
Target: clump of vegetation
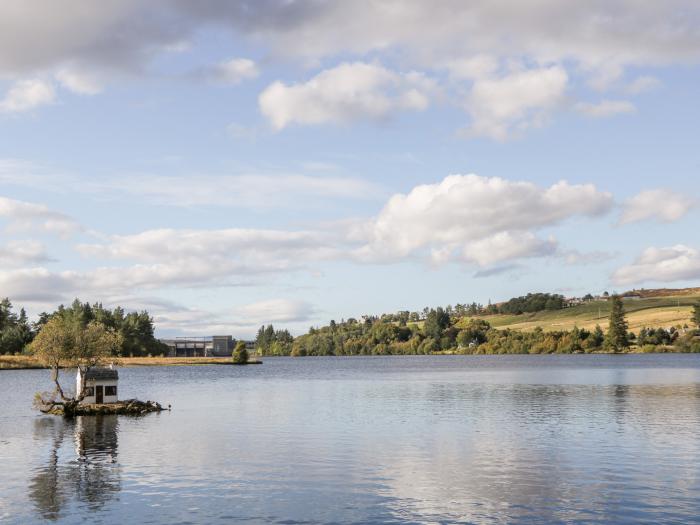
x=135 y=328
x=617 y=338
x=240 y=354
x=695 y=318
x=273 y=342
x=532 y=302
x=62 y=343
x=15 y=330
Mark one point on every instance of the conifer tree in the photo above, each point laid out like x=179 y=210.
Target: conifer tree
x=696 y=314
x=617 y=337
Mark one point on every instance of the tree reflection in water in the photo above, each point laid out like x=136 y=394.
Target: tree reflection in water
x=86 y=472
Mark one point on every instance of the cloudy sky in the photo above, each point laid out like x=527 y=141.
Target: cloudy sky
x=225 y=164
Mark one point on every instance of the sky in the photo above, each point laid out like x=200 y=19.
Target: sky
x=225 y=164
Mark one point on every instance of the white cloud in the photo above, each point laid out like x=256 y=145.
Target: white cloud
x=275 y=311
x=22 y=252
x=643 y=32
x=25 y=95
x=345 y=93
x=236 y=70
x=480 y=219
x=169 y=257
x=242 y=321
x=676 y=263
x=241 y=191
x=252 y=191
x=507 y=246
x=516 y=101
x=39 y=285
x=22 y=216
x=661 y=204
x=473 y=67
x=605 y=108
x=78 y=82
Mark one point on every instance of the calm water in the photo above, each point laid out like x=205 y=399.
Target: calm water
x=519 y=439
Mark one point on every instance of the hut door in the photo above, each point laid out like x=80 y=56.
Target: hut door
x=99 y=394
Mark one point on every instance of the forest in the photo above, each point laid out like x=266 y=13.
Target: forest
x=136 y=329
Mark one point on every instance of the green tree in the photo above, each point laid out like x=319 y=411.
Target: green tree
x=63 y=342
x=240 y=353
x=617 y=338
x=696 y=314
x=435 y=322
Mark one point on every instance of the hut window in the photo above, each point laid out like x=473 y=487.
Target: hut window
x=110 y=390
x=89 y=391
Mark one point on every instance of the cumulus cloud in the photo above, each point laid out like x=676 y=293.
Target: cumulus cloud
x=39 y=284
x=348 y=92
x=605 y=108
x=661 y=204
x=516 y=101
x=472 y=40
x=473 y=218
x=676 y=263
x=22 y=216
x=22 y=252
x=26 y=95
x=617 y=31
x=169 y=257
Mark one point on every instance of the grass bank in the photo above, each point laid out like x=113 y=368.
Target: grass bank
x=22 y=362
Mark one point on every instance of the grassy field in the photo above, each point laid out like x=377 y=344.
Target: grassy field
x=656 y=312
x=11 y=362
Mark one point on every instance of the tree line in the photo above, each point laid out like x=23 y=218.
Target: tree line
x=441 y=332
x=136 y=330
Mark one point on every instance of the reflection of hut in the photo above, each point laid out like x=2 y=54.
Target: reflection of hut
x=100 y=385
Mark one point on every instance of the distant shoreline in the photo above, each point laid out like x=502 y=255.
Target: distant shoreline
x=11 y=362
x=8 y=362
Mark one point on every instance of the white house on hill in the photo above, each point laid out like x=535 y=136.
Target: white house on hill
x=100 y=385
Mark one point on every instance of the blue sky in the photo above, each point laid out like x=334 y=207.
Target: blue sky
x=229 y=164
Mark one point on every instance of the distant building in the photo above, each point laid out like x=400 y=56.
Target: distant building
x=214 y=346
x=100 y=385
x=222 y=345
x=188 y=347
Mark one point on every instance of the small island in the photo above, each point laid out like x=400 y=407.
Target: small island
x=64 y=343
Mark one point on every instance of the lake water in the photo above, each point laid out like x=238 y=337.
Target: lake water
x=445 y=439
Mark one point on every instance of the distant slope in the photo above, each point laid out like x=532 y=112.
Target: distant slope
x=653 y=312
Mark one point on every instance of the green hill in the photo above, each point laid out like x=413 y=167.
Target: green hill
x=652 y=312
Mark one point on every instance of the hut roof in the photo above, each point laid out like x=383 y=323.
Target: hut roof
x=102 y=373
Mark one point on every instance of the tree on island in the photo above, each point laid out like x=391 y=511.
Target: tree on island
x=617 y=338
x=64 y=343
x=240 y=354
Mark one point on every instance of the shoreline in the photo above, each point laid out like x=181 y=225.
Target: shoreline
x=21 y=362
x=8 y=362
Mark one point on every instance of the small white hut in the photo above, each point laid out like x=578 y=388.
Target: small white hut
x=100 y=385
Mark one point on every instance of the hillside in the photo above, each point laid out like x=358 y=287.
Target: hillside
x=651 y=311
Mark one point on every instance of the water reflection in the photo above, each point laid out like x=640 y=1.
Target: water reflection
x=81 y=466
x=427 y=440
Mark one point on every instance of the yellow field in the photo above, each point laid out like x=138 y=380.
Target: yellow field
x=653 y=318
x=656 y=312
